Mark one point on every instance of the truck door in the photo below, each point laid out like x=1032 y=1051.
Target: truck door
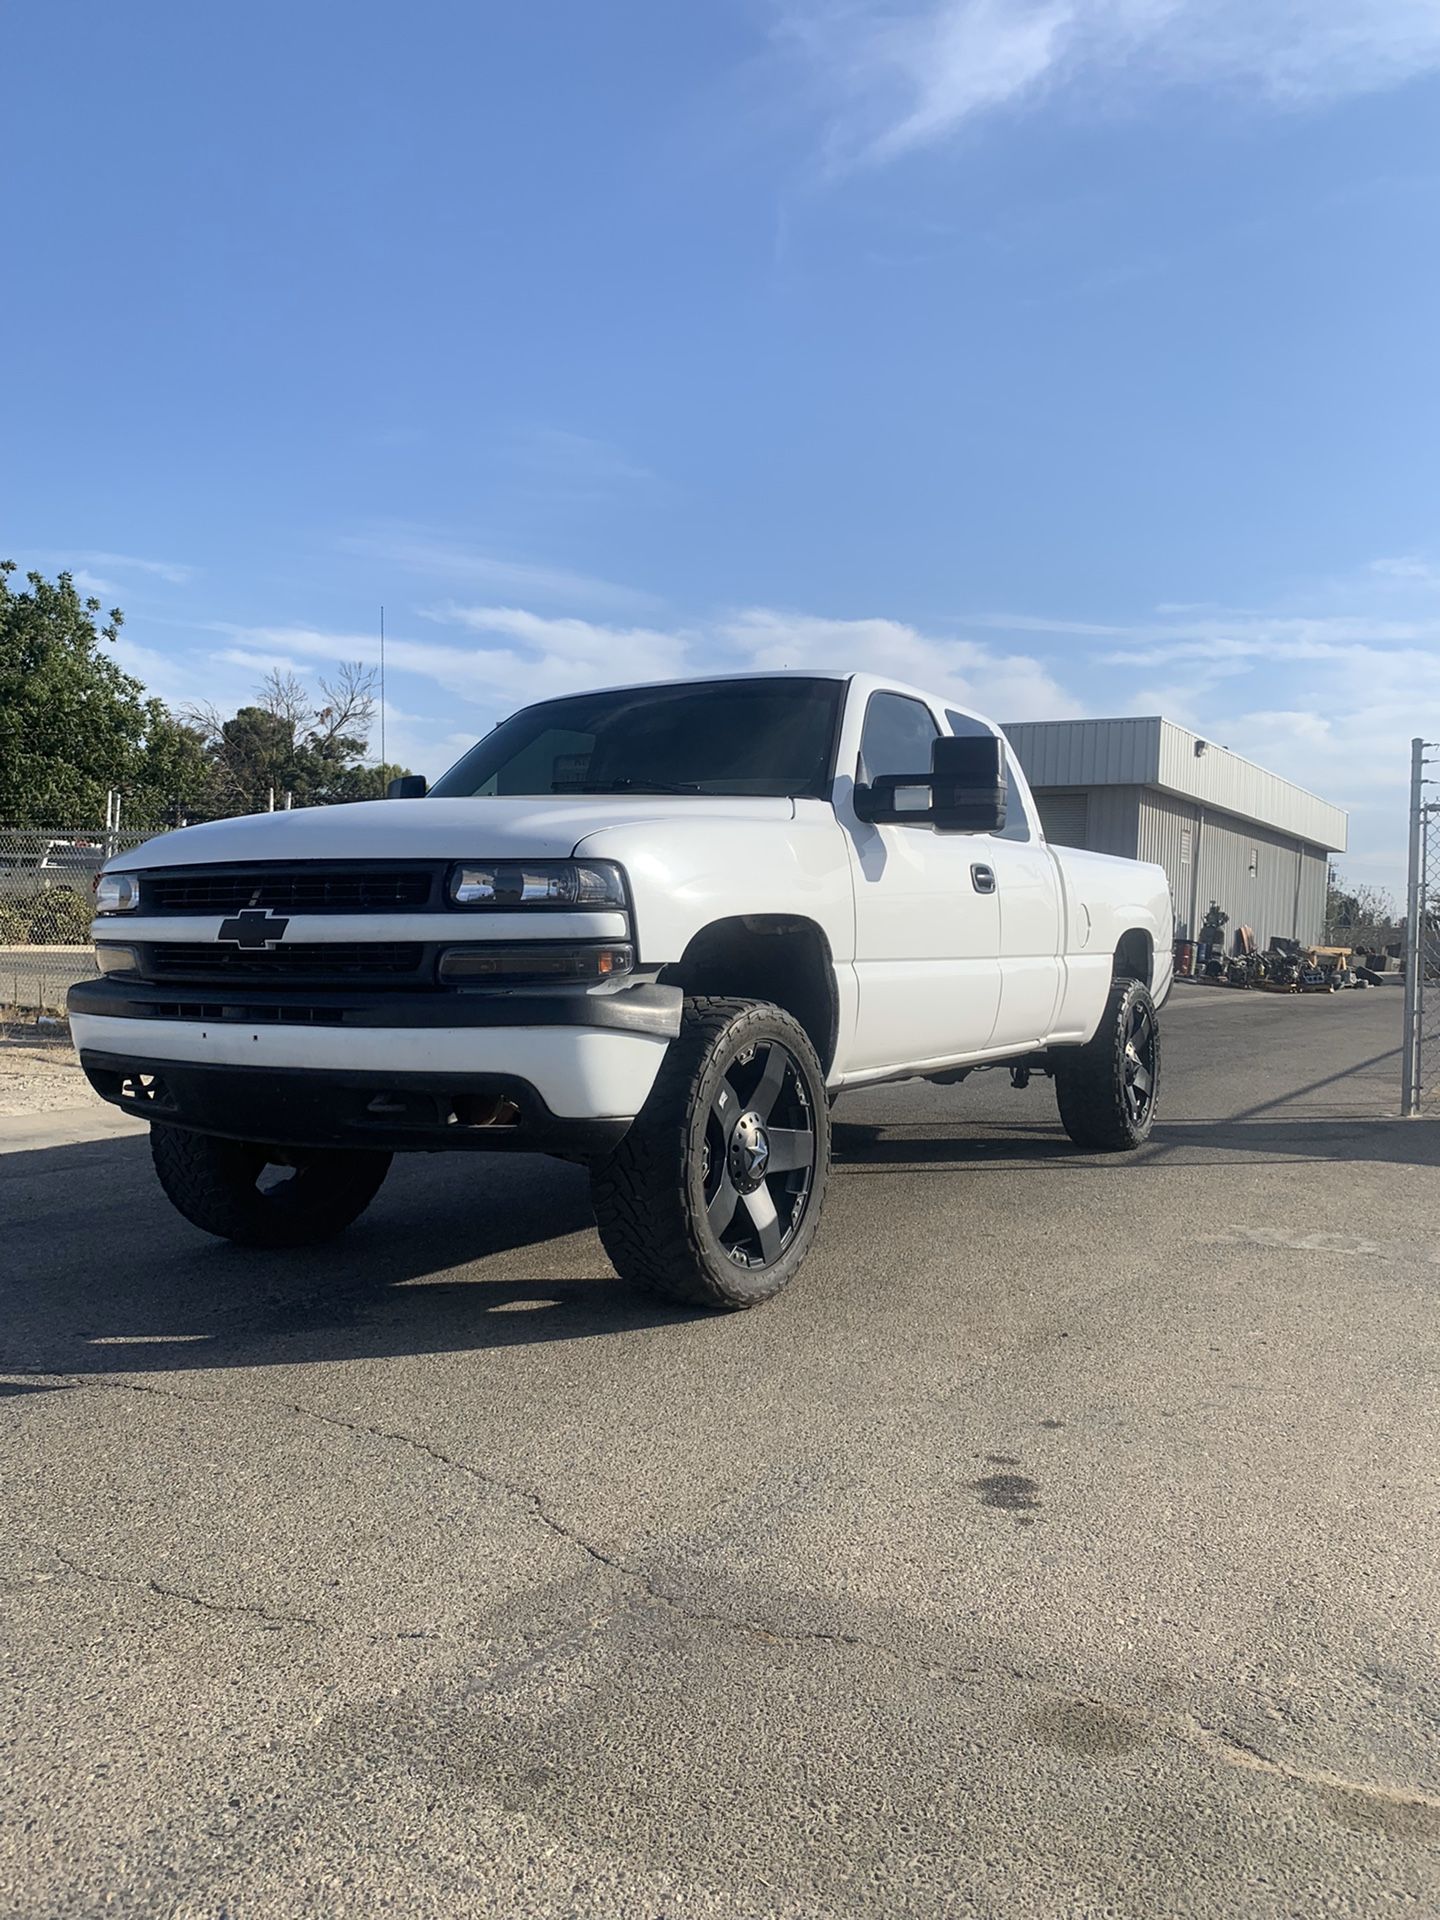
x=1027 y=886
x=927 y=913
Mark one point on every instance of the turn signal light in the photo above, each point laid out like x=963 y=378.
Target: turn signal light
x=112 y=958
x=484 y=965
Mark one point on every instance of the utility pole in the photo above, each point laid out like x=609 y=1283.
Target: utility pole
x=1416 y=905
x=382 y=687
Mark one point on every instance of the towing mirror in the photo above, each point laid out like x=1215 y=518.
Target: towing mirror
x=408 y=786
x=964 y=792
x=968 y=783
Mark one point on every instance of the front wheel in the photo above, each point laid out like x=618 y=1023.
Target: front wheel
x=264 y=1196
x=1107 y=1089
x=714 y=1195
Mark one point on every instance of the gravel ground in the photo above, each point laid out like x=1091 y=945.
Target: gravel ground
x=37 y=1077
x=1062 y=1543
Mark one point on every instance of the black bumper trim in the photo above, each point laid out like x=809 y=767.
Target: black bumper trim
x=321 y=1107
x=639 y=1007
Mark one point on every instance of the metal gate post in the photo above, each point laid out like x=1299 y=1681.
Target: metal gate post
x=1420 y=903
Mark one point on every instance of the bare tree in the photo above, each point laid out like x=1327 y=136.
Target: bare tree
x=349 y=709
x=283 y=694
x=1358 y=915
x=289 y=741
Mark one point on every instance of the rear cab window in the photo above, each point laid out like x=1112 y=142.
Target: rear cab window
x=1017 y=818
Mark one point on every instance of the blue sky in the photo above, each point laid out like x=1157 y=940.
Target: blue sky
x=1077 y=356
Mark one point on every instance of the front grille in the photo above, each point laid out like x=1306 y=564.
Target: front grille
x=341 y=962
x=216 y=1012
x=300 y=889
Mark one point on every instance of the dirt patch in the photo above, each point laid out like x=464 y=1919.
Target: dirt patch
x=40 y=1075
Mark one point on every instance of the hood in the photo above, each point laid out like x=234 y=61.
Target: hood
x=527 y=827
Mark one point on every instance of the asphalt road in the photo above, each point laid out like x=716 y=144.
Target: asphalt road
x=1062 y=1543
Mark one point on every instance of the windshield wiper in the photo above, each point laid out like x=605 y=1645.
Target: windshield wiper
x=624 y=786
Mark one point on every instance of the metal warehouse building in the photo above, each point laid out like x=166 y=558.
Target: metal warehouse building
x=1222 y=828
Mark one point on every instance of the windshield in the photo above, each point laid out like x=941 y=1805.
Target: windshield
x=774 y=736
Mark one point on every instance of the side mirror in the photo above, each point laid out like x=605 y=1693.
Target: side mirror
x=965 y=790
x=968 y=783
x=408 y=786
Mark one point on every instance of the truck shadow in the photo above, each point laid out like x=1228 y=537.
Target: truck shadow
x=458 y=1253
x=1275 y=1141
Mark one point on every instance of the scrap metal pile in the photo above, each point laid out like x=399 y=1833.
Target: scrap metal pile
x=1285 y=966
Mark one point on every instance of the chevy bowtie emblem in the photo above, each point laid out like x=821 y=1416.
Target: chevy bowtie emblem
x=253 y=927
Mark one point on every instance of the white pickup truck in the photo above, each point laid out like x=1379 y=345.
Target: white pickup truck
x=653 y=929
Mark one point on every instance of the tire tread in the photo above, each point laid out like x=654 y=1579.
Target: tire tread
x=211 y=1182
x=1090 y=1084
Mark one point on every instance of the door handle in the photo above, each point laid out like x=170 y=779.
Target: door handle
x=983 y=877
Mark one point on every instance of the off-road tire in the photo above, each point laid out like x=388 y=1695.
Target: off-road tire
x=213 y=1183
x=649 y=1194
x=1093 y=1083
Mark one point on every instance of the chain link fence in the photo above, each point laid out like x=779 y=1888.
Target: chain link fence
x=47 y=877
x=1420 y=1092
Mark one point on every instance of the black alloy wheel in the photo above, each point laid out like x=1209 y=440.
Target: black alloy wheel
x=1142 y=1062
x=714 y=1195
x=758 y=1163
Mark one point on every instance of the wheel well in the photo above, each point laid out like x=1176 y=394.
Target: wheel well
x=1135 y=957
x=767 y=957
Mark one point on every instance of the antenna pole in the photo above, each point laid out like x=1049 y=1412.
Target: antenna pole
x=382 y=686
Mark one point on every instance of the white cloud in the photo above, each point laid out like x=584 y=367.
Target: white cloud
x=1330 y=701
x=1407 y=568
x=1012 y=686
x=548 y=655
x=518 y=656
x=416 y=550
x=90 y=584
x=170 y=571
x=576 y=459
x=894 y=78
x=568 y=654
x=1326 y=694
x=182 y=679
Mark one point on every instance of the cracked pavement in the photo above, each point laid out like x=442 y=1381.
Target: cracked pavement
x=1062 y=1543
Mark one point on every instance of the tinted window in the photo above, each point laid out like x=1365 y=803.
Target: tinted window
x=966 y=727
x=897 y=736
x=714 y=736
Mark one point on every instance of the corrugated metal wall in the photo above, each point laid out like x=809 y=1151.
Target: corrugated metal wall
x=1150 y=752
x=1204 y=859
x=1166 y=834
x=1065 y=818
x=1220 y=778
x=1314 y=885
x=1114 y=824
x=1087 y=753
x=1263 y=879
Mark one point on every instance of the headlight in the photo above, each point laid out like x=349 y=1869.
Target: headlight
x=117 y=893
x=537 y=883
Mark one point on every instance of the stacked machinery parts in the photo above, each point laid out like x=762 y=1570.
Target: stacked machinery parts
x=1283 y=967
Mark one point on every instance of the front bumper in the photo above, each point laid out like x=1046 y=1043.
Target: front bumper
x=547 y=1070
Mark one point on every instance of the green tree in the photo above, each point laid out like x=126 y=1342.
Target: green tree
x=73 y=724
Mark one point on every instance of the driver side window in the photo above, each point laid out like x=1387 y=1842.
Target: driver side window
x=896 y=737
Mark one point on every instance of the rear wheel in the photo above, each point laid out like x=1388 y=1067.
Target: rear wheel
x=714 y=1195
x=1107 y=1089
x=262 y=1196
